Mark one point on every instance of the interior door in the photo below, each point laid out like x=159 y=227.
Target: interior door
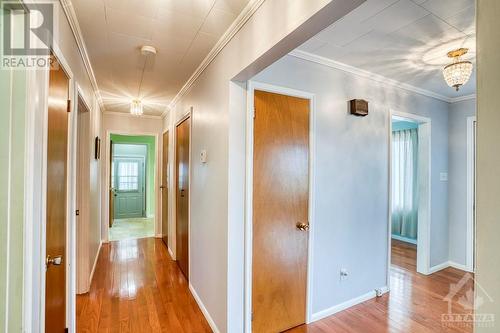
x=182 y=195
x=164 y=190
x=112 y=193
x=280 y=211
x=129 y=187
x=57 y=153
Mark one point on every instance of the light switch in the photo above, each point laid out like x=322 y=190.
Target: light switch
x=203 y=156
x=443 y=176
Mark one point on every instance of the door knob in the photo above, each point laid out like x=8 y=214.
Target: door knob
x=56 y=261
x=182 y=193
x=302 y=226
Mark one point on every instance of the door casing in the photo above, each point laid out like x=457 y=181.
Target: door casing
x=251 y=87
x=165 y=187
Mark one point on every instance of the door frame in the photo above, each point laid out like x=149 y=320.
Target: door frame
x=36 y=197
x=107 y=180
x=252 y=86
x=144 y=167
x=425 y=191
x=173 y=247
x=169 y=220
x=471 y=191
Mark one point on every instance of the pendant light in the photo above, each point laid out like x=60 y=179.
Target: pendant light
x=136 y=105
x=459 y=71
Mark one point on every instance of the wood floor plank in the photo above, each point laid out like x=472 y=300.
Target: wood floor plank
x=137 y=287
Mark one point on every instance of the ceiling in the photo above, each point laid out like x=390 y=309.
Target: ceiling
x=182 y=31
x=403 y=40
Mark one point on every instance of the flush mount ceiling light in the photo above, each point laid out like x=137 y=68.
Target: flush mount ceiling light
x=458 y=72
x=136 y=107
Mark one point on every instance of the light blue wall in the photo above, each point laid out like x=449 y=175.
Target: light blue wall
x=351 y=176
x=457 y=178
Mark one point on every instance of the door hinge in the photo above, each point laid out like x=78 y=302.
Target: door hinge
x=251 y=316
x=69 y=105
x=66 y=330
x=254 y=112
x=77 y=212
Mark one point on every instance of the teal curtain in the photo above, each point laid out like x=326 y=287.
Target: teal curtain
x=405 y=183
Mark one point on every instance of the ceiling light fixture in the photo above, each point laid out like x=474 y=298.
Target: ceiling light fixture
x=136 y=106
x=459 y=71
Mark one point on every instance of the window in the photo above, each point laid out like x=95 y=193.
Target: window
x=128 y=176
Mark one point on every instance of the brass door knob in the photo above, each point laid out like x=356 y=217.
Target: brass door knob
x=302 y=226
x=56 y=261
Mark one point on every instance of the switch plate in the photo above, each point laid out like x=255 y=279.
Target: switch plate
x=443 y=176
x=203 y=156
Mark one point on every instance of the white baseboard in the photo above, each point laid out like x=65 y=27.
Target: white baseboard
x=150 y=216
x=158 y=236
x=404 y=239
x=447 y=264
x=171 y=253
x=342 y=306
x=203 y=309
x=95 y=264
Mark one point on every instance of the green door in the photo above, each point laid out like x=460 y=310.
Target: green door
x=129 y=187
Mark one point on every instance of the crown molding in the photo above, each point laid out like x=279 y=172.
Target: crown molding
x=463 y=98
x=70 y=14
x=124 y=114
x=372 y=76
x=238 y=23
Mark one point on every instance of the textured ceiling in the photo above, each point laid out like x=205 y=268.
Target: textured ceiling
x=405 y=40
x=183 y=31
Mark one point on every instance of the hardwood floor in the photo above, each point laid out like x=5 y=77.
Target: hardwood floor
x=137 y=287
x=415 y=303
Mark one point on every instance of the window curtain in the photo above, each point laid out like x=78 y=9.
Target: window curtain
x=405 y=183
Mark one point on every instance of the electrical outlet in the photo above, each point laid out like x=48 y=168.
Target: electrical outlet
x=343 y=273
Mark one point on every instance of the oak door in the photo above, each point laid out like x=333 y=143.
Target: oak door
x=182 y=195
x=57 y=153
x=164 y=190
x=280 y=212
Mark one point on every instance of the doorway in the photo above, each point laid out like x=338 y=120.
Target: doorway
x=56 y=200
x=182 y=170
x=279 y=194
x=410 y=206
x=132 y=192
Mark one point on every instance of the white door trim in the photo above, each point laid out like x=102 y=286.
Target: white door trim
x=252 y=86
x=424 y=181
x=471 y=175
x=105 y=222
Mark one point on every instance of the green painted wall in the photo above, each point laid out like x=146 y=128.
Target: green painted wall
x=150 y=165
x=12 y=157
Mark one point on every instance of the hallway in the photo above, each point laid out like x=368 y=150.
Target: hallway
x=137 y=287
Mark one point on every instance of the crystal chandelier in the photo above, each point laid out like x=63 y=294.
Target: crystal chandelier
x=458 y=72
x=136 y=107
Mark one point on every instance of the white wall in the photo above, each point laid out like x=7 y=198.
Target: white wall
x=457 y=178
x=488 y=161
x=216 y=226
x=351 y=175
x=125 y=123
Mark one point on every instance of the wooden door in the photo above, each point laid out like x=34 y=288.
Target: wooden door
x=280 y=212
x=129 y=199
x=112 y=193
x=57 y=152
x=182 y=195
x=164 y=190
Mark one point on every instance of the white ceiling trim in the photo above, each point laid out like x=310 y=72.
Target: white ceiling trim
x=123 y=114
x=77 y=33
x=463 y=98
x=240 y=21
x=372 y=76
